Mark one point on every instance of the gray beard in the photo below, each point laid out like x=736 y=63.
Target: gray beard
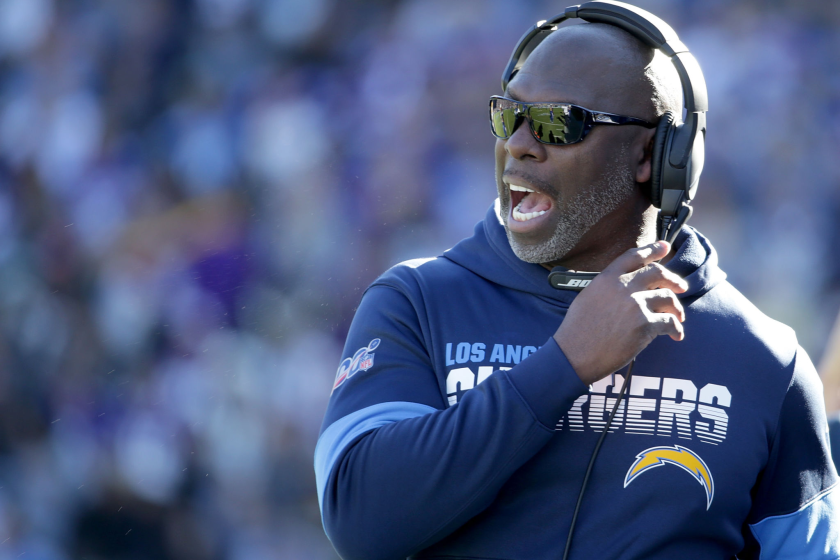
x=577 y=217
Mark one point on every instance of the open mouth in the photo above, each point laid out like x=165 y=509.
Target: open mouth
x=527 y=204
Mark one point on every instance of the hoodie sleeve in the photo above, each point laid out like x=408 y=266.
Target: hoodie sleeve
x=397 y=470
x=796 y=504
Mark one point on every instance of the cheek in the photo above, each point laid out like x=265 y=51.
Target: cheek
x=500 y=154
x=581 y=166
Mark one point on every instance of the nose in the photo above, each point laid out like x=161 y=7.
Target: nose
x=522 y=144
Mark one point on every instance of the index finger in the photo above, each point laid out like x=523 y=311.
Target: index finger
x=636 y=258
x=654 y=276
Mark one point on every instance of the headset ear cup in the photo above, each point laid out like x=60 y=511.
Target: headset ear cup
x=658 y=157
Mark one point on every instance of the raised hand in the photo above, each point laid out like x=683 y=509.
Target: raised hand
x=624 y=308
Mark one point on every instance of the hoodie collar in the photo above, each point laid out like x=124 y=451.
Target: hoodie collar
x=488 y=254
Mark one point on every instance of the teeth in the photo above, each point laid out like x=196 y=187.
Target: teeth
x=519 y=189
x=522 y=217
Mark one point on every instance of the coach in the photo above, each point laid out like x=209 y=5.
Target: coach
x=472 y=392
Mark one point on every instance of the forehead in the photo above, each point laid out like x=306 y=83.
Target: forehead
x=589 y=66
x=544 y=87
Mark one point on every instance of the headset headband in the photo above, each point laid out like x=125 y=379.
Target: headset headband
x=644 y=26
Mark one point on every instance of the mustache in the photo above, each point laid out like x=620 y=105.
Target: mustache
x=543 y=186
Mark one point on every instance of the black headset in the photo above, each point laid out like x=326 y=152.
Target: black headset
x=679 y=146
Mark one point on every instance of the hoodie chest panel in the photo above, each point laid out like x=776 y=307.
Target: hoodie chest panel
x=688 y=445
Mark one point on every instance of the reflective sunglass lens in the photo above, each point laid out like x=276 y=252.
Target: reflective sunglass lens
x=550 y=124
x=503 y=118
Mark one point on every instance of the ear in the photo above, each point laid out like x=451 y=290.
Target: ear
x=643 y=151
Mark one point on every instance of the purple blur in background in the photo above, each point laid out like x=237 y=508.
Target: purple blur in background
x=195 y=193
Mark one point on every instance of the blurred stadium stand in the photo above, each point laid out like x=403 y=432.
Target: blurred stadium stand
x=195 y=193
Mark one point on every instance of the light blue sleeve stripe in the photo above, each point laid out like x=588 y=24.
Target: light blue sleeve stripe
x=344 y=430
x=810 y=533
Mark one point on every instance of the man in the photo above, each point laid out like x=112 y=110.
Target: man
x=472 y=392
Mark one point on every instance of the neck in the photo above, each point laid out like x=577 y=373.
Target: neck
x=622 y=229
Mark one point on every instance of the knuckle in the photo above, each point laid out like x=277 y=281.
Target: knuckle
x=646 y=317
x=659 y=269
x=655 y=328
x=649 y=271
x=640 y=301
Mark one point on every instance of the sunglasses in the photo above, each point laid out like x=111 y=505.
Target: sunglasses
x=556 y=124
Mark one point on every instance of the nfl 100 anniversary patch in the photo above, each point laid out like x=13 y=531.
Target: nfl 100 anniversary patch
x=362 y=360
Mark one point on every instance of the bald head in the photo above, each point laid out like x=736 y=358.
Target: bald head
x=604 y=68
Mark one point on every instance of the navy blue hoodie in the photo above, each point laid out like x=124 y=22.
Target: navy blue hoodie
x=458 y=429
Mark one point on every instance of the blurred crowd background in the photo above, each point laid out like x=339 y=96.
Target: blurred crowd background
x=195 y=193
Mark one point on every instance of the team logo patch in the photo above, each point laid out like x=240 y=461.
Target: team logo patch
x=362 y=360
x=679 y=456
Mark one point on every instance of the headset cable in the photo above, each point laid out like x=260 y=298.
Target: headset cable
x=594 y=456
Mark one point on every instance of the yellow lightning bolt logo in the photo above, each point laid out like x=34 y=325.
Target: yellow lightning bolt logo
x=679 y=456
